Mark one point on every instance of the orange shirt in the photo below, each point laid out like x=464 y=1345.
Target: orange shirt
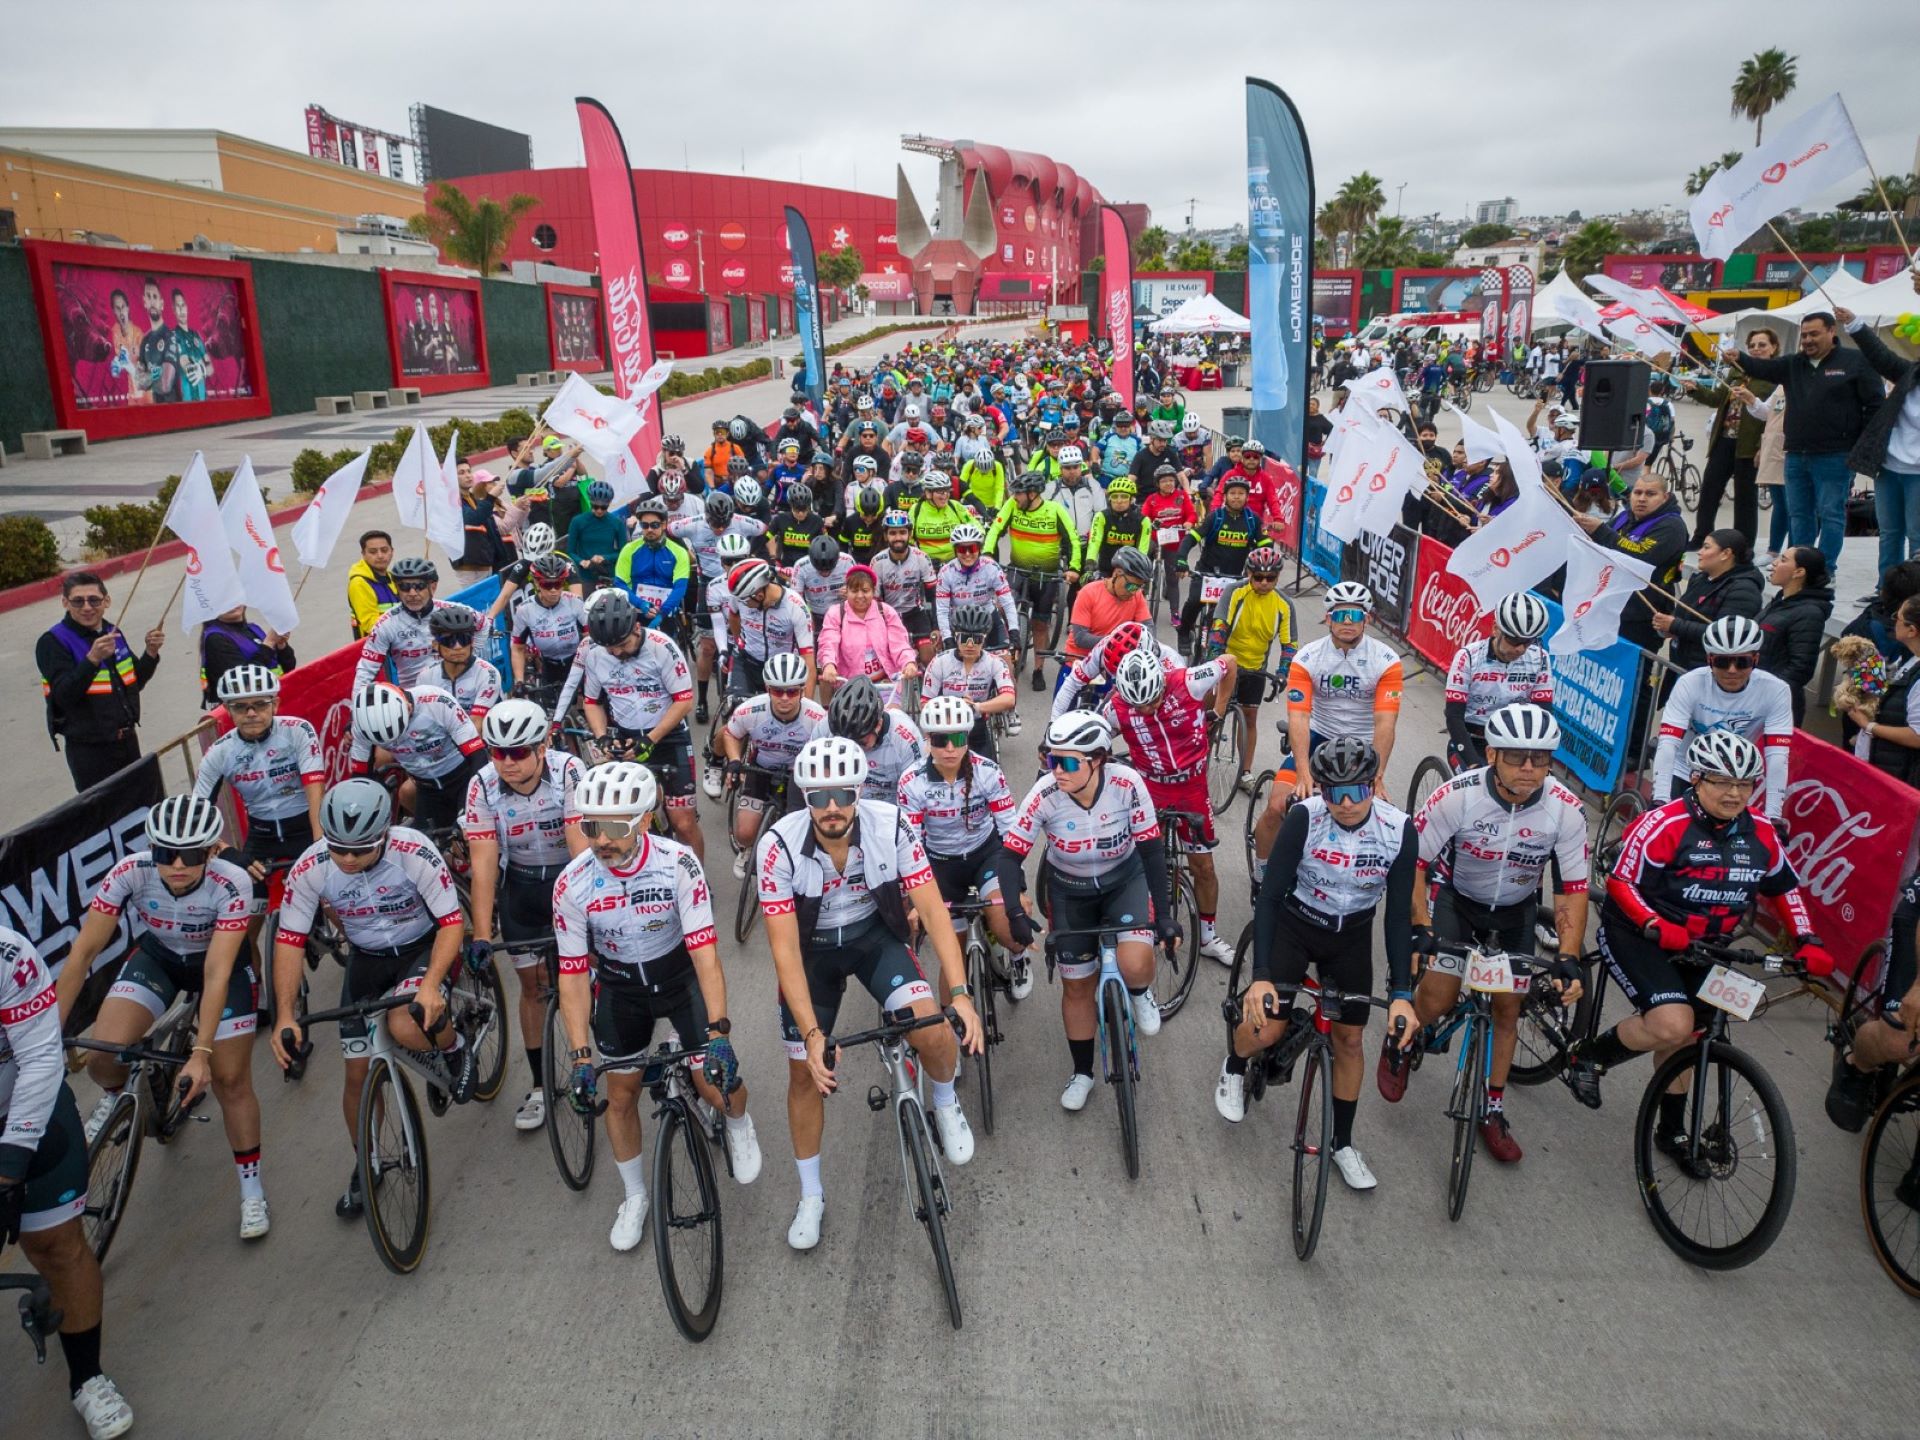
x=1098 y=610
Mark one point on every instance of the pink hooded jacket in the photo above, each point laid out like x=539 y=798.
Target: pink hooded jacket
x=845 y=638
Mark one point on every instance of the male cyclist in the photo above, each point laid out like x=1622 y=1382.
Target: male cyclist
x=796 y=527
x=1509 y=667
x=1075 y=494
x=702 y=537
x=1729 y=695
x=766 y=619
x=936 y=516
x=970 y=672
x=1247 y=621
x=1046 y=549
x=547 y=631
x=401 y=641
x=274 y=767
x=888 y=739
x=1121 y=526
x=426 y=733
x=907 y=581
x=820 y=575
x=654 y=568
x=1117 y=449
x=767 y=730
x=454 y=668
x=1218 y=546
x=862 y=534
x=595 y=539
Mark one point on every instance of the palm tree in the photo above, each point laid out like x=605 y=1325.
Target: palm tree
x=1385 y=245
x=1731 y=159
x=1900 y=189
x=473 y=233
x=1585 y=249
x=1150 y=248
x=1763 y=82
x=1697 y=181
x=1364 y=199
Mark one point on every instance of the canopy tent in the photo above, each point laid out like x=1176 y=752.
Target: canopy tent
x=1202 y=315
x=1840 y=288
x=1545 y=316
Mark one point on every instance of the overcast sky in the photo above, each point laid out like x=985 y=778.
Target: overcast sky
x=1599 y=108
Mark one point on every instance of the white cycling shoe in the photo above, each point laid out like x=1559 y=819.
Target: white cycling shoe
x=1074 y=1097
x=1352 y=1166
x=804 y=1233
x=1230 y=1096
x=1217 y=949
x=255 y=1220
x=629 y=1222
x=710 y=781
x=103 y=1408
x=532 y=1113
x=1146 y=1013
x=740 y=865
x=743 y=1149
x=1020 y=983
x=956 y=1136
x=1013 y=722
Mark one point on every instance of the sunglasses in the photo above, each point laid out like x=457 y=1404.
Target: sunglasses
x=333 y=849
x=87 y=601
x=412 y=588
x=1345 y=616
x=453 y=642
x=838 y=797
x=1130 y=587
x=598 y=509
x=1066 y=764
x=1347 y=794
x=1735 y=663
x=652 y=525
x=1527 y=759
x=510 y=752
x=961 y=549
x=956 y=739
x=784 y=692
x=190 y=855
x=603 y=829
x=969 y=639
x=1259 y=578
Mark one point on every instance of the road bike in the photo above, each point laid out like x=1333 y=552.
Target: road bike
x=1115 y=1040
x=969 y=918
x=1890 y=1182
x=570 y=1134
x=1430 y=774
x=1229 y=751
x=38 y=1315
x=149 y=1103
x=746 y=910
x=1177 y=965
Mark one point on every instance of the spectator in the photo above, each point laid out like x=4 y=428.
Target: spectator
x=485 y=551
x=92 y=682
x=232 y=640
x=1726 y=583
x=1889 y=738
x=1770 y=472
x=1732 y=450
x=1650 y=528
x=370 y=593
x=1319 y=427
x=1795 y=621
x=1831 y=394
x=1877 y=620
x=1889 y=446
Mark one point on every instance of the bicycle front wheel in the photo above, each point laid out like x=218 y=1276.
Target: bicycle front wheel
x=393 y=1167
x=1545 y=1032
x=1890 y=1184
x=1719 y=1204
x=112 y=1161
x=1622 y=810
x=1428 y=776
x=1465 y=1109
x=1256 y=807
x=1312 y=1150
x=480 y=1003
x=1173 y=971
x=980 y=978
x=568 y=1131
x=930 y=1199
x=1226 y=760
x=1113 y=1002
x=687 y=1239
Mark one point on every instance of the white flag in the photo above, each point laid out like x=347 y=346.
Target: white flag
x=444 y=520
x=1377 y=470
x=1599 y=585
x=1648 y=302
x=411 y=477
x=1378 y=388
x=1582 y=314
x=1641 y=335
x=605 y=426
x=1481 y=443
x=212 y=585
x=655 y=377
x=1803 y=160
x=243 y=511
x=1518 y=451
x=317 y=531
x=1517 y=549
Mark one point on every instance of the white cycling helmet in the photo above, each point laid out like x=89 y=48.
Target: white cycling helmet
x=1732 y=635
x=1349 y=593
x=1523 y=727
x=785 y=669
x=1160 y=429
x=746 y=492
x=536 y=540
x=864 y=465
x=1192 y=427
x=247 y=682
x=514 y=722
x=967 y=535
x=1072 y=455
x=734 y=547
x=622 y=787
x=1080 y=732
x=910 y=412
x=183 y=822
x=1721 y=752
x=1523 y=616
x=947 y=712
x=1141 y=678
x=829 y=760
x=381 y=713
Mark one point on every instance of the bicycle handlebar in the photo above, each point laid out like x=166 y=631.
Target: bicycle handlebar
x=297 y=1063
x=894 y=1029
x=128 y=1054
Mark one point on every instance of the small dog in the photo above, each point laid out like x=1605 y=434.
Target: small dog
x=1860 y=674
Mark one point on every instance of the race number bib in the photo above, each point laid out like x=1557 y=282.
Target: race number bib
x=1169 y=534
x=654 y=595
x=1212 y=587
x=872 y=667
x=1732 y=992
x=1489 y=974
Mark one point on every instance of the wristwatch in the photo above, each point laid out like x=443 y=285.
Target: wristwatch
x=959 y=990
x=575 y=1057
x=722 y=1026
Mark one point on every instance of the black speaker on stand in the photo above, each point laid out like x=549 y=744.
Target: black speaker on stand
x=1613 y=411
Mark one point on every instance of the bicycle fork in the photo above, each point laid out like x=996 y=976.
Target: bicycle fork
x=1110 y=976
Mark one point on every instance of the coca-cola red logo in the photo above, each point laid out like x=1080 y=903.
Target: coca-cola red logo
x=1825 y=828
x=1451 y=610
x=676 y=237
x=735 y=275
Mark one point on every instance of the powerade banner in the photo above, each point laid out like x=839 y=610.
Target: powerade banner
x=1385 y=565
x=1320 y=550
x=623 y=265
x=1279 y=269
x=1116 y=300
x=806 y=307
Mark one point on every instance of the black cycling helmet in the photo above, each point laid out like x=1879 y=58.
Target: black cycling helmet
x=855 y=712
x=552 y=571
x=912 y=464
x=824 y=552
x=611 y=617
x=1031 y=483
x=719 y=508
x=413 y=567
x=736 y=467
x=1344 y=760
x=1132 y=561
x=452 y=622
x=973 y=619
x=870 y=501
x=799 y=496
x=599 y=493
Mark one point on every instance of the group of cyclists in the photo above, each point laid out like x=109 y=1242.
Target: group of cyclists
x=840 y=574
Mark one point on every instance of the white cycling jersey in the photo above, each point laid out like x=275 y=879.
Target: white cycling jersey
x=821 y=592
x=397 y=901
x=985 y=583
x=183 y=924
x=772 y=742
x=1344 y=872
x=625 y=921
x=903 y=582
x=787 y=874
x=1483 y=682
x=948 y=674
x=478 y=688
x=32 y=1059
x=1761 y=710
x=901 y=746
x=956 y=817
x=637 y=690
x=531 y=829
x=269 y=776
x=1492 y=852
x=785 y=626
x=437 y=739
x=1085 y=842
x=402 y=638
x=1344 y=688
x=553 y=632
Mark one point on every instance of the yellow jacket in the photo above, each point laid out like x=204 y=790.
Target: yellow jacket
x=368 y=597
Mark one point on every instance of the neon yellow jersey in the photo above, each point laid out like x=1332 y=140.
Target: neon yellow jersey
x=1249 y=623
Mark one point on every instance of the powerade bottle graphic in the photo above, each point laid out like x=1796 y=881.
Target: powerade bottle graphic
x=1265 y=267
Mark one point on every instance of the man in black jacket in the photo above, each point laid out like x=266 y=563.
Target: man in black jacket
x=1650 y=528
x=92 y=682
x=1831 y=394
x=1889 y=447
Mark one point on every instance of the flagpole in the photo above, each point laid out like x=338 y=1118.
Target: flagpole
x=303 y=582
x=1817 y=284
x=1891 y=212
x=1554 y=490
x=127 y=605
x=167 y=609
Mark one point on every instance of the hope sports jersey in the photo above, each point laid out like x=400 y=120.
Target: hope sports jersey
x=764 y=633
x=1248 y=623
x=788 y=874
x=269 y=775
x=1037 y=536
x=1169 y=742
x=704 y=541
x=32 y=1059
x=1085 y=843
x=983 y=584
x=553 y=632
x=1344 y=872
x=629 y=918
x=947 y=674
x=637 y=690
x=400 y=638
x=772 y=742
x=903 y=582
x=901 y=746
x=394 y=903
x=1342 y=690
x=183 y=924
x=1493 y=852
x=1483 y=682
x=1678 y=863
x=956 y=817
x=1761 y=710
x=438 y=737
x=478 y=689
x=530 y=829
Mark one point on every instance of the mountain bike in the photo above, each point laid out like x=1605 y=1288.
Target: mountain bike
x=149 y=1103
x=1683 y=476
x=1023 y=582
x=1229 y=748
x=1212 y=587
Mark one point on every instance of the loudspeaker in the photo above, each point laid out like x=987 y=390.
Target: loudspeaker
x=1613 y=411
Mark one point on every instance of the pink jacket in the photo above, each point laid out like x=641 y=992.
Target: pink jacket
x=845 y=638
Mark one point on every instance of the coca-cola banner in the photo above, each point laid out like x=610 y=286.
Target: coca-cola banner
x=1850 y=831
x=1289 y=498
x=623 y=263
x=1385 y=565
x=1442 y=614
x=1116 y=299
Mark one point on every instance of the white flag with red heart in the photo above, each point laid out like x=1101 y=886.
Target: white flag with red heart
x=1802 y=161
x=1517 y=549
x=212 y=585
x=243 y=511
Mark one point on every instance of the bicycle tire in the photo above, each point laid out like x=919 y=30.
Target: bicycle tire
x=746 y=906
x=1310 y=1185
x=1763 y=496
x=1546 y=1030
x=113 y=1159
x=1173 y=975
x=1120 y=1072
x=1469 y=1099
x=1256 y=807
x=1428 y=776
x=1622 y=810
x=980 y=978
x=1230 y=745
x=1883 y=1165
x=1659 y=1193
x=681 y=1142
x=569 y=1133
x=490 y=1056
x=166 y=1112
x=1022 y=636
x=388 y=1098
x=1690 y=484
x=930 y=1205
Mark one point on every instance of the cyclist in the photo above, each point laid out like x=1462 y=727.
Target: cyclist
x=536 y=539
x=1890 y=1038
x=1121 y=526
x=633 y=918
x=548 y=630
x=43 y=1177
x=1509 y=667
x=187 y=915
x=788 y=470
x=1247 y=622
x=1100 y=609
x=1193 y=443
x=1075 y=494
x=702 y=537
x=983 y=478
x=821 y=576
x=767 y=619
x=654 y=568
x=750 y=502
x=1155 y=453
x=1728 y=694
x=767 y=730
x=960 y=808
x=972 y=579
x=907 y=581
x=1354 y=679
x=837 y=885
x=595 y=539
x=678 y=492
x=1045 y=550
x=274 y=767
x=1117 y=448
x=518 y=840
x=936 y=516
x=971 y=672
x=973 y=445
x=1218 y=546
x=797 y=527
x=1089 y=679
x=1163 y=715
x=862 y=635
x=862 y=534
x=1487 y=838
x=432 y=740
x=472 y=681
x=397 y=907
x=1690 y=869
x=883 y=732
x=400 y=642
x=1170 y=514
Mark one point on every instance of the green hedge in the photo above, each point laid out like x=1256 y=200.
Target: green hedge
x=130 y=526
x=28 y=550
x=698 y=382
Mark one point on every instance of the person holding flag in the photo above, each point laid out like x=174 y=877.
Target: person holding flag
x=1651 y=529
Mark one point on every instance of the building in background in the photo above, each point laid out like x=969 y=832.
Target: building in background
x=1495 y=212
x=1530 y=253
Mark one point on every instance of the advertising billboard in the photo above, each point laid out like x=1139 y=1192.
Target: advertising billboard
x=436 y=331
x=1437 y=292
x=1336 y=301
x=455 y=145
x=575 y=335
x=1158 y=295
x=1677 y=273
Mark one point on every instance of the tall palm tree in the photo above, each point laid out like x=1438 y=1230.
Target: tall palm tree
x=474 y=233
x=1763 y=82
x=1585 y=249
x=1365 y=198
x=1731 y=159
x=1386 y=245
x=1697 y=181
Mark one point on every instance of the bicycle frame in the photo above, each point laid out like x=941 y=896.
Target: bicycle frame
x=905 y=1081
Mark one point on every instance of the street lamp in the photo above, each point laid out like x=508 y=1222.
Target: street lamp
x=1398 y=195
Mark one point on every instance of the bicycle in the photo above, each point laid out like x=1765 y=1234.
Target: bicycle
x=570 y=1134
x=1115 y=1040
x=38 y=1316
x=969 y=917
x=1890 y=1182
x=325 y=941
x=150 y=1103
x=930 y=1199
x=1021 y=580
x=1174 y=971
x=1430 y=774
x=1212 y=587
x=1683 y=476
x=747 y=906
x=1229 y=748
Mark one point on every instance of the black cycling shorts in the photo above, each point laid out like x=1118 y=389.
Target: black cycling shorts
x=1646 y=974
x=372 y=973
x=743 y=675
x=919 y=622
x=524 y=905
x=439 y=804
x=1342 y=959
x=1121 y=903
x=624 y=1017
x=57 y=1173
x=1043 y=596
x=955 y=875
x=276 y=842
x=153 y=977
x=671 y=761
x=872 y=955
x=1505 y=927
x=1249 y=688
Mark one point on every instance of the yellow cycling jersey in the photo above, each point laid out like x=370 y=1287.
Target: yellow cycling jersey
x=1250 y=623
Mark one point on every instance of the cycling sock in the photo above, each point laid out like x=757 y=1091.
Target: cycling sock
x=1206 y=929
x=633 y=1175
x=1236 y=1064
x=1343 y=1111
x=1136 y=994
x=809 y=1169
x=1673 y=1113
x=247 y=1162
x=1496 y=1099
x=1082 y=1052
x=736 y=1123
x=82 y=1349
x=943 y=1095
x=703 y=691
x=1606 y=1049
x=536 y=1062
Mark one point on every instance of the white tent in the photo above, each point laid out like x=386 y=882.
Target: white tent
x=1886 y=302
x=1202 y=315
x=1842 y=287
x=1545 y=316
